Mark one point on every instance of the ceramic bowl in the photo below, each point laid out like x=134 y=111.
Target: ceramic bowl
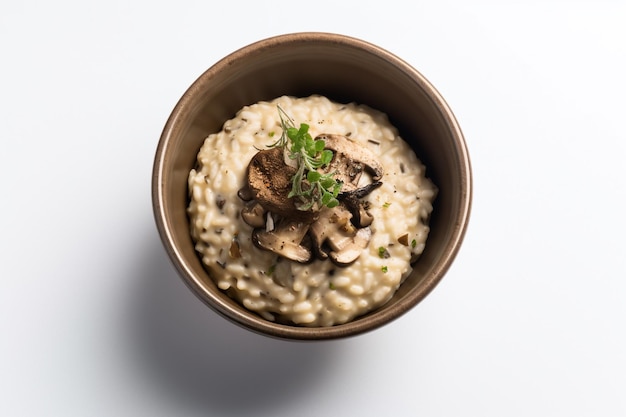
x=344 y=69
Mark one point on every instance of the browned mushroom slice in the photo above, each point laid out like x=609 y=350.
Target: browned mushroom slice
x=363 y=191
x=360 y=216
x=335 y=236
x=245 y=193
x=351 y=199
x=285 y=240
x=269 y=181
x=350 y=161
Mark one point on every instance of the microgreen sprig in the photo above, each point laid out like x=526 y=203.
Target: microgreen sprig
x=312 y=188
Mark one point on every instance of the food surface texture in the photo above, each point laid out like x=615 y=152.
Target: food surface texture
x=297 y=260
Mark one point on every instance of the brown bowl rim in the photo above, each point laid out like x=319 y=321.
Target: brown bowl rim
x=250 y=320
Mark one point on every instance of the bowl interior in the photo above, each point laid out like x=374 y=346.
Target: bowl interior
x=345 y=70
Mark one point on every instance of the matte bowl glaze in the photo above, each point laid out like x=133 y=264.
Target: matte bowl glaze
x=344 y=69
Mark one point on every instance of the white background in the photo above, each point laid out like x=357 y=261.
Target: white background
x=529 y=321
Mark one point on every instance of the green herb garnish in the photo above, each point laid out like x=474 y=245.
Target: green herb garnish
x=312 y=188
x=413 y=243
x=384 y=269
x=386 y=205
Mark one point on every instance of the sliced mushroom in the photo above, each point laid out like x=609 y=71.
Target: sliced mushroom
x=351 y=252
x=363 y=191
x=245 y=193
x=339 y=233
x=286 y=240
x=350 y=161
x=335 y=236
x=269 y=181
x=253 y=213
x=331 y=224
x=360 y=216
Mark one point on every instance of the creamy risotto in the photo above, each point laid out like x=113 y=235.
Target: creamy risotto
x=316 y=268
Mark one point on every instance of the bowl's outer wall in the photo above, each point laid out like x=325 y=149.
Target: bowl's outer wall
x=345 y=70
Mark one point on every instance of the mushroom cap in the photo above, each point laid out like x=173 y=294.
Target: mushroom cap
x=331 y=231
x=269 y=180
x=350 y=160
